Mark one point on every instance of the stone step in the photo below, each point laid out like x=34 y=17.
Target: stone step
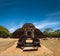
x=29 y=40
x=30 y=48
x=28 y=45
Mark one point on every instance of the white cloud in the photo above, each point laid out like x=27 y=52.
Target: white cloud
x=38 y=25
x=54 y=14
x=12 y=29
x=13 y=26
x=42 y=25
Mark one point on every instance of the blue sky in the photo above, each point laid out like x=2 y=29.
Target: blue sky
x=42 y=13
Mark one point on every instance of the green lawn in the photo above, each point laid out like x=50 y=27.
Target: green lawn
x=6 y=43
x=53 y=45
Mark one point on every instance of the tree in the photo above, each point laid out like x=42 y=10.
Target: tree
x=47 y=32
x=57 y=32
x=4 y=32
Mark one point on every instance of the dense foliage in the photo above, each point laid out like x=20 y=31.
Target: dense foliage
x=4 y=32
x=50 y=33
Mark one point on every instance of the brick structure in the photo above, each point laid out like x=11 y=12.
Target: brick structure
x=28 y=31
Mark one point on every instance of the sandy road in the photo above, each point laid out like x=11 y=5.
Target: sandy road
x=13 y=51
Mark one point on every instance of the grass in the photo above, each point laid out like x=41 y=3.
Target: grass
x=6 y=43
x=53 y=45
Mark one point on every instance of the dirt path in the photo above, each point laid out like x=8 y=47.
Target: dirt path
x=13 y=51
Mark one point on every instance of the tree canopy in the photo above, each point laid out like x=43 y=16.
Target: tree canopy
x=4 y=32
x=48 y=32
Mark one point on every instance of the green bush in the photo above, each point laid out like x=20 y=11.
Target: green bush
x=4 y=33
